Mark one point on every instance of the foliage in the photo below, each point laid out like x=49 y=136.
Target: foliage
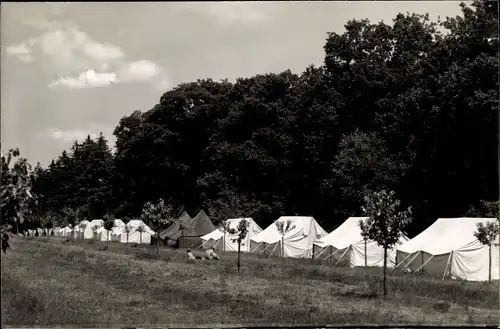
x=71 y=217
x=109 y=222
x=284 y=227
x=140 y=229
x=108 y=225
x=487 y=233
x=159 y=215
x=387 y=110
x=95 y=228
x=240 y=232
x=385 y=223
x=16 y=178
x=489 y=209
x=127 y=229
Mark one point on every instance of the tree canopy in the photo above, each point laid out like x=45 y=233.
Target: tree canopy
x=408 y=105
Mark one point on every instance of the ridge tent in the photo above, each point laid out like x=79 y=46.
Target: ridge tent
x=79 y=229
x=449 y=248
x=58 y=230
x=135 y=236
x=347 y=243
x=114 y=233
x=217 y=240
x=38 y=230
x=174 y=231
x=197 y=227
x=65 y=232
x=88 y=233
x=297 y=243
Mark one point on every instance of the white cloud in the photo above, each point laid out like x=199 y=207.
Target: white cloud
x=70 y=135
x=142 y=70
x=139 y=71
x=81 y=62
x=88 y=79
x=92 y=128
x=67 y=47
x=103 y=52
x=21 y=51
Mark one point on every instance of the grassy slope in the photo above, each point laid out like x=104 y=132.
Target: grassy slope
x=54 y=282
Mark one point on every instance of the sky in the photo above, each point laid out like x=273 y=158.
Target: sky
x=73 y=69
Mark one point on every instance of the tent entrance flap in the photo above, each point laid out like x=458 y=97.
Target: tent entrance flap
x=397 y=264
x=412 y=259
x=425 y=263
x=342 y=257
x=274 y=249
x=332 y=254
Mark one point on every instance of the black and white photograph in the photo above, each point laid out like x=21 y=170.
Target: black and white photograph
x=250 y=164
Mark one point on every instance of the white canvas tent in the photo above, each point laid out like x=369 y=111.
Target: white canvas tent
x=136 y=237
x=449 y=247
x=220 y=241
x=297 y=243
x=58 y=231
x=347 y=244
x=33 y=232
x=65 y=232
x=114 y=234
x=80 y=228
x=88 y=233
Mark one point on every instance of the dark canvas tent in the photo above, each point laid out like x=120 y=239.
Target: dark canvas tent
x=197 y=227
x=174 y=231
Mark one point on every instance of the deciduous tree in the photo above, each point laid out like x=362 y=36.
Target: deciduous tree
x=159 y=215
x=241 y=232
x=384 y=223
x=487 y=234
x=283 y=228
x=109 y=224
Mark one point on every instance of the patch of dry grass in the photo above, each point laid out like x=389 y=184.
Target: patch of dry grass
x=52 y=281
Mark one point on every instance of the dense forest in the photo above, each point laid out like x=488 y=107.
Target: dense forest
x=410 y=106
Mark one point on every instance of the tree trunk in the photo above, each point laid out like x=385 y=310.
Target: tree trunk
x=107 y=239
x=385 y=272
x=140 y=237
x=283 y=246
x=157 y=247
x=489 y=266
x=366 y=257
x=224 y=242
x=239 y=253
x=127 y=237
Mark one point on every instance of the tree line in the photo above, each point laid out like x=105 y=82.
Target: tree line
x=410 y=106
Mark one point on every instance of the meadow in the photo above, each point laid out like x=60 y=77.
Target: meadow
x=52 y=281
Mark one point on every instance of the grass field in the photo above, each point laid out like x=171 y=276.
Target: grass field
x=49 y=281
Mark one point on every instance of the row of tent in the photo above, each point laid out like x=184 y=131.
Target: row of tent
x=95 y=230
x=447 y=247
